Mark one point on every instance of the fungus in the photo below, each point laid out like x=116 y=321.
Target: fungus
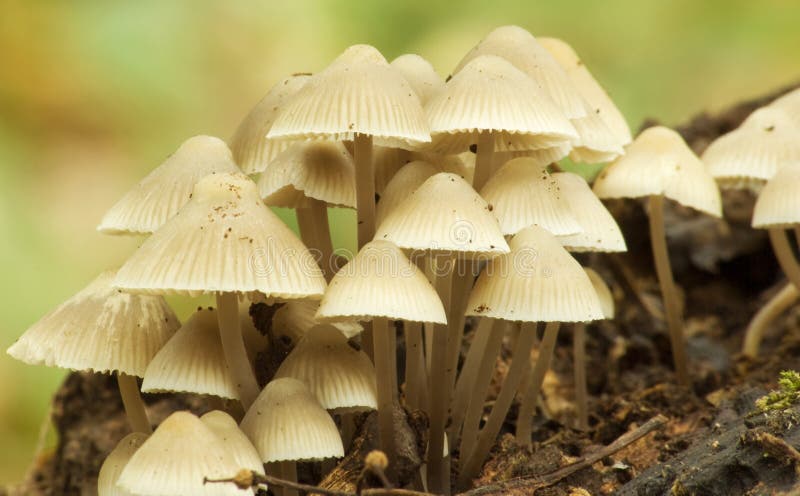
x=420 y=74
x=789 y=103
x=115 y=462
x=296 y=317
x=405 y=181
x=236 y=442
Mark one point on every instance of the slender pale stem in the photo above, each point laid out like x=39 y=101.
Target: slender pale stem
x=385 y=382
x=466 y=378
x=322 y=238
x=392 y=347
x=483 y=160
x=785 y=298
x=133 y=403
x=579 y=359
x=785 y=256
x=305 y=222
x=531 y=394
x=439 y=398
x=234 y=349
x=520 y=365
x=672 y=306
x=289 y=473
x=365 y=188
x=477 y=387
x=462 y=284
x=414 y=363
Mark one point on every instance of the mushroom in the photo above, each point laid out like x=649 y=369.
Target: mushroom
x=252 y=151
x=227 y=242
x=103 y=330
x=177 y=459
x=538 y=281
x=492 y=103
x=378 y=284
x=309 y=177
x=449 y=220
x=236 y=442
x=776 y=209
x=789 y=103
x=115 y=462
x=294 y=318
x=407 y=179
x=287 y=424
x=359 y=97
x=159 y=196
x=420 y=74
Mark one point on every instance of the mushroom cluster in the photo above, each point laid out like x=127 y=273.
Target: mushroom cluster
x=473 y=217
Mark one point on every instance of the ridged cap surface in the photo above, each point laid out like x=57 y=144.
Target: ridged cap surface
x=537 y=282
x=600 y=231
x=359 y=92
x=159 y=196
x=286 y=422
x=789 y=103
x=420 y=74
x=224 y=240
x=115 y=462
x=380 y=281
x=296 y=317
x=100 y=329
x=405 y=181
x=778 y=204
x=238 y=444
x=341 y=378
x=603 y=293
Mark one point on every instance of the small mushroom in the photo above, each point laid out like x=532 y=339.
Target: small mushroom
x=296 y=317
x=789 y=103
x=115 y=462
x=236 y=442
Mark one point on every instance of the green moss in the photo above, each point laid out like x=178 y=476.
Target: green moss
x=787 y=394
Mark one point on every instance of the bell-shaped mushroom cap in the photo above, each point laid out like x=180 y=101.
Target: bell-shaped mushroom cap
x=600 y=231
x=596 y=143
x=751 y=154
x=192 y=361
x=462 y=165
x=444 y=214
x=659 y=162
x=250 y=146
x=159 y=196
x=600 y=104
x=341 y=378
x=115 y=462
x=778 y=204
x=491 y=95
x=358 y=93
x=287 y=423
x=520 y=48
x=177 y=458
x=524 y=194
x=405 y=181
x=380 y=281
x=542 y=157
x=420 y=74
x=537 y=282
x=603 y=293
x=100 y=329
x=322 y=170
x=296 y=317
x=789 y=103
x=237 y=443
x=224 y=240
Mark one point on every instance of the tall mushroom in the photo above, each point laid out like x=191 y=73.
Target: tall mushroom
x=657 y=165
x=225 y=241
x=103 y=330
x=359 y=97
x=380 y=283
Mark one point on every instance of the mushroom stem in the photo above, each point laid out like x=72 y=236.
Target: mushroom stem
x=365 y=187
x=234 y=349
x=289 y=473
x=785 y=298
x=414 y=364
x=305 y=223
x=579 y=359
x=519 y=367
x=316 y=234
x=133 y=403
x=475 y=389
x=672 y=307
x=392 y=347
x=439 y=398
x=462 y=284
x=785 y=255
x=531 y=394
x=383 y=373
x=467 y=377
x=483 y=160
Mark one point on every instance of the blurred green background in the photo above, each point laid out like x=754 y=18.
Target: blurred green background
x=93 y=94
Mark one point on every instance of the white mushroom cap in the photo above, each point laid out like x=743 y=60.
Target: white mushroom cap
x=159 y=196
x=286 y=422
x=420 y=74
x=380 y=281
x=341 y=378
x=778 y=204
x=603 y=292
x=296 y=317
x=537 y=282
x=176 y=459
x=101 y=329
x=114 y=464
x=224 y=240
x=405 y=181
x=237 y=443
x=249 y=144
x=789 y=103
x=358 y=93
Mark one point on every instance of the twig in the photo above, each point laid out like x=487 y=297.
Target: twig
x=247 y=479
x=532 y=484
